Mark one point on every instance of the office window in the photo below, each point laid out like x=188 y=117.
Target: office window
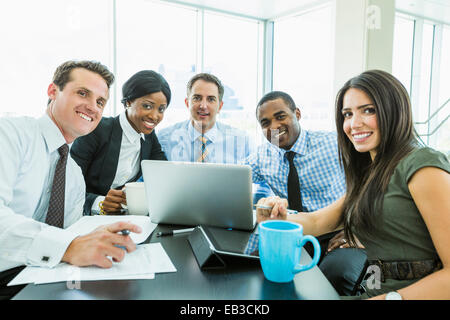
x=37 y=36
x=159 y=37
x=443 y=133
x=444 y=92
x=423 y=110
x=420 y=62
x=403 y=50
x=303 y=65
x=231 y=53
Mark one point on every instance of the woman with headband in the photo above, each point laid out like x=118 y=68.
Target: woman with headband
x=110 y=156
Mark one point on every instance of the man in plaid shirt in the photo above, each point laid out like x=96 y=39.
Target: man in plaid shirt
x=316 y=159
x=321 y=177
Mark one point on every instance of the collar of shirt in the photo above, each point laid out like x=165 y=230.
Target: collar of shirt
x=50 y=132
x=299 y=147
x=128 y=130
x=211 y=135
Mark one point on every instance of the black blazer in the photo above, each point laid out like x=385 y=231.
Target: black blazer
x=98 y=155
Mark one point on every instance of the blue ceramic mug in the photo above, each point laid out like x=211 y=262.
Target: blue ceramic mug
x=280 y=246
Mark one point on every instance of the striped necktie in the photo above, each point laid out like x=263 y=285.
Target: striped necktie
x=55 y=213
x=204 y=151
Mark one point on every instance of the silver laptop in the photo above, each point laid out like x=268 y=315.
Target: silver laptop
x=192 y=193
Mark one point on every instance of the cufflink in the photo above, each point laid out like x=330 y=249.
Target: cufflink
x=45 y=259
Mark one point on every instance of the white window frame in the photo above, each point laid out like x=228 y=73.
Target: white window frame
x=431 y=122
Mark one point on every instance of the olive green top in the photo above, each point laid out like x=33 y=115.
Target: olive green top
x=401 y=234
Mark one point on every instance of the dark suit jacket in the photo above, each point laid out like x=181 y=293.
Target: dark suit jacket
x=98 y=155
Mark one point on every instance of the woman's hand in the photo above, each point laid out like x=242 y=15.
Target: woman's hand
x=338 y=241
x=278 y=211
x=113 y=202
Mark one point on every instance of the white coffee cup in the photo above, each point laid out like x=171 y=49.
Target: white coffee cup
x=136 y=198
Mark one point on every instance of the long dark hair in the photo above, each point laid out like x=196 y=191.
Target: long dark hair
x=367 y=180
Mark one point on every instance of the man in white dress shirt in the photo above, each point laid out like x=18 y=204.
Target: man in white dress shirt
x=77 y=95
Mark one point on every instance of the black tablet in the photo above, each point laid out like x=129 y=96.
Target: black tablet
x=232 y=242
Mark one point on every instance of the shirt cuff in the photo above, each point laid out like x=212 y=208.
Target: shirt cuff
x=49 y=247
x=95 y=209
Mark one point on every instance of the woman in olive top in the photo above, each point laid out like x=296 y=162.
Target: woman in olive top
x=111 y=155
x=397 y=202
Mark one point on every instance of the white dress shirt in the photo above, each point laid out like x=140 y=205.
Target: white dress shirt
x=29 y=150
x=129 y=156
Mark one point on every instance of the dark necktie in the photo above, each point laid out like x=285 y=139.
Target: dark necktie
x=55 y=214
x=294 y=196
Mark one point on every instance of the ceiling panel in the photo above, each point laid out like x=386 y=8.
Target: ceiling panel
x=259 y=9
x=271 y=9
x=433 y=9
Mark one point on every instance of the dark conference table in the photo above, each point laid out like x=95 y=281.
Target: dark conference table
x=241 y=279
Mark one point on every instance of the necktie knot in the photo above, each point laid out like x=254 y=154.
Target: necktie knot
x=290 y=155
x=202 y=139
x=63 y=150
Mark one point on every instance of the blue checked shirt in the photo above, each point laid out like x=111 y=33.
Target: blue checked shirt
x=322 y=179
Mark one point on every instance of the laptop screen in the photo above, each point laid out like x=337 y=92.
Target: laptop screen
x=193 y=194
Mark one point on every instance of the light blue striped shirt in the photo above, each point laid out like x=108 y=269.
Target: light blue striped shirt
x=225 y=144
x=322 y=179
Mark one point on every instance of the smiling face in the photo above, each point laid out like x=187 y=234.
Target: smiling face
x=360 y=121
x=77 y=109
x=146 y=112
x=279 y=123
x=203 y=104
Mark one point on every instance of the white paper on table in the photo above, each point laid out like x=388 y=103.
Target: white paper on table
x=84 y=226
x=159 y=260
x=30 y=274
x=27 y=275
x=142 y=263
x=87 y=224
